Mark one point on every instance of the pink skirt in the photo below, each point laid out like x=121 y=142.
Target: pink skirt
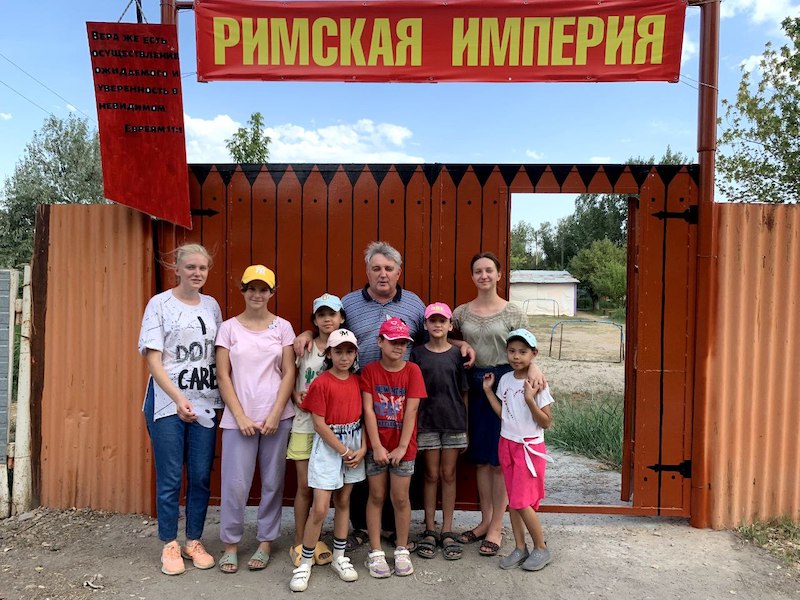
x=523 y=488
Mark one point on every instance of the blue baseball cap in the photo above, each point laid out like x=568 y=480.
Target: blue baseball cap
x=329 y=300
x=523 y=334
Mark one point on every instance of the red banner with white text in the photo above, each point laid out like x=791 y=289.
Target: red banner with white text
x=431 y=41
x=137 y=86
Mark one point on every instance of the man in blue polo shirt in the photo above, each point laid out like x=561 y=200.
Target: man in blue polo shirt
x=380 y=299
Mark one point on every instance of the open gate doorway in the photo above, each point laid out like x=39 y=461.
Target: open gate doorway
x=312 y=222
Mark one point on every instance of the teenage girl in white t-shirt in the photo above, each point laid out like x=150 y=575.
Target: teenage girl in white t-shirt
x=177 y=341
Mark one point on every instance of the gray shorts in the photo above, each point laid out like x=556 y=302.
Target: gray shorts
x=434 y=440
x=404 y=469
x=326 y=469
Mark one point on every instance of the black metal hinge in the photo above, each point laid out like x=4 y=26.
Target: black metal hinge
x=685 y=468
x=204 y=212
x=689 y=215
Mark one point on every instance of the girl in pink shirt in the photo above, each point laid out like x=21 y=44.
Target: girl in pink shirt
x=256 y=373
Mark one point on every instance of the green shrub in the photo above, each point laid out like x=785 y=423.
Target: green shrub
x=591 y=427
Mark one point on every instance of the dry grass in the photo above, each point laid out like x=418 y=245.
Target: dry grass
x=780 y=537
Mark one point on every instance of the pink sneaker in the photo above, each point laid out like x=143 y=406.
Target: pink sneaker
x=171 y=561
x=195 y=551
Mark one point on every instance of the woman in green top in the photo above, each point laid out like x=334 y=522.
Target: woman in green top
x=484 y=323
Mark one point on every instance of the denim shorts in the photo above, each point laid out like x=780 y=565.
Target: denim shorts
x=404 y=469
x=326 y=469
x=435 y=440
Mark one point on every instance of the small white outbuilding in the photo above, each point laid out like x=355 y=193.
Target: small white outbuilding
x=545 y=292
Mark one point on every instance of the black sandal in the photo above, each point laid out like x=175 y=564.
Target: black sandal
x=426 y=546
x=451 y=550
x=356 y=539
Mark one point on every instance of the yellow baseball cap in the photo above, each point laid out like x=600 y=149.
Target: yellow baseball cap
x=259 y=273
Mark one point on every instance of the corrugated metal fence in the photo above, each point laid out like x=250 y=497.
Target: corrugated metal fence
x=754 y=413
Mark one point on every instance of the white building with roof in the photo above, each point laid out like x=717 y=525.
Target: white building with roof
x=545 y=292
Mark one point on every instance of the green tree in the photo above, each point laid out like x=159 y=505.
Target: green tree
x=601 y=267
x=761 y=136
x=60 y=165
x=524 y=251
x=250 y=144
x=596 y=217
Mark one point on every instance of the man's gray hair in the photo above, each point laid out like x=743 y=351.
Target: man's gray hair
x=387 y=250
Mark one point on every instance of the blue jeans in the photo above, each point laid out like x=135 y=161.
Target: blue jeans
x=176 y=443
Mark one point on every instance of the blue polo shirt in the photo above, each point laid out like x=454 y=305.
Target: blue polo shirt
x=365 y=315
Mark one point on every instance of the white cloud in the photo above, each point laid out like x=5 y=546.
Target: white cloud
x=751 y=63
x=362 y=141
x=599 y=160
x=71 y=108
x=689 y=48
x=534 y=155
x=5 y=116
x=205 y=138
x=760 y=11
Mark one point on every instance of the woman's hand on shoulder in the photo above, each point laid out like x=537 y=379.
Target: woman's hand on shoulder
x=468 y=352
x=536 y=378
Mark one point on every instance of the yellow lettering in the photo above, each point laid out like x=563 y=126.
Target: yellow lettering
x=590 y=34
x=409 y=41
x=254 y=40
x=285 y=48
x=560 y=38
x=226 y=35
x=322 y=27
x=350 y=42
x=651 y=33
x=465 y=42
x=536 y=32
x=381 y=44
x=492 y=46
x=619 y=41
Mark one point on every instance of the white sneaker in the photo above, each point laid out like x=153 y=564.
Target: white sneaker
x=344 y=568
x=402 y=562
x=300 y=577
x=377 y=565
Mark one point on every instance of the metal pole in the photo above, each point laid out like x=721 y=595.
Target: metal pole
x=169 y=12
x=706 y=293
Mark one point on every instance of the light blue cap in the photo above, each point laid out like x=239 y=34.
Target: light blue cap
x=329 y=300
x=525 y=335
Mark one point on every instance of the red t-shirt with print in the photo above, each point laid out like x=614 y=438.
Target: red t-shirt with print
x=389 y=392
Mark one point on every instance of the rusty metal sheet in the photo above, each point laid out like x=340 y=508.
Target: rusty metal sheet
x=94 y=446
x=754 y=448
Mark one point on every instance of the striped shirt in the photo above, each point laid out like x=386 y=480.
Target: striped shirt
x=365 y=315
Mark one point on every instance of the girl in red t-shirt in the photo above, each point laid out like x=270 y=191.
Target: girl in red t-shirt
x=337 y=454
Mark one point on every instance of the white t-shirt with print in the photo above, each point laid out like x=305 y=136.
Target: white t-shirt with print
x=184 y=334
x=517 y=422
x=309 y=366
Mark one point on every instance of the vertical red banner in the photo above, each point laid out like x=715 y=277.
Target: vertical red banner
x=137 y=84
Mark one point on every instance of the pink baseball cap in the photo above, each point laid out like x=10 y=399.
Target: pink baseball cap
x=438 y=308
x=395 y=329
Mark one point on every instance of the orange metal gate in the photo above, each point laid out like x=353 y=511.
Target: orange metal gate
x=311 y=223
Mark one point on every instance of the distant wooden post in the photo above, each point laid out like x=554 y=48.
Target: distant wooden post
x=23 y=484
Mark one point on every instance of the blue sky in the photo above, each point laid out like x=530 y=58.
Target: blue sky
x=338 y=122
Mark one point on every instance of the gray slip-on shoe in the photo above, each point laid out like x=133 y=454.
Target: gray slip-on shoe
x=537 y=559
x=515 y=559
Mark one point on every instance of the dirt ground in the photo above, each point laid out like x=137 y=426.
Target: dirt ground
x=61 y=554
x=81 y=554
